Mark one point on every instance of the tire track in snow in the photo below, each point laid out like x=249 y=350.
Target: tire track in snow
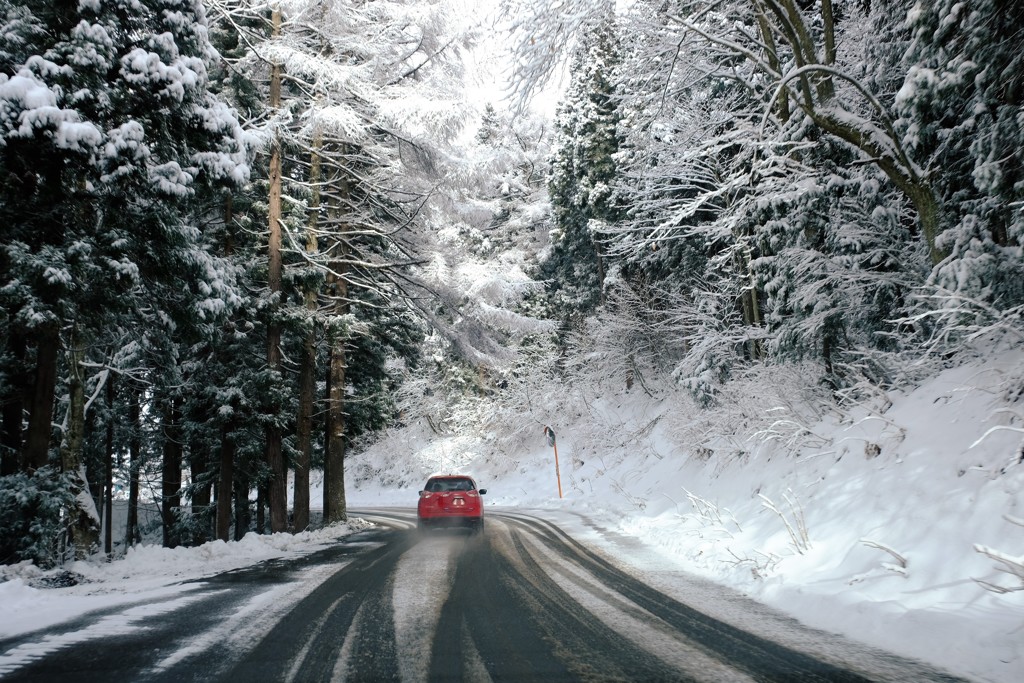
x=632 y=622
x=763 y=659
x=423 y=580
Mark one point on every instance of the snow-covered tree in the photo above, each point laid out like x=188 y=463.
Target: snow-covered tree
x=109 y=141
x=760 y=165
x=488 y=220
x=960 y=116
x=365 y=97
x=583 y=172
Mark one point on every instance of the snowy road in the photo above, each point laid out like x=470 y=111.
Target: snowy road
x=522 y=602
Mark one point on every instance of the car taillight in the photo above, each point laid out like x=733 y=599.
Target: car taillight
x=425 y=494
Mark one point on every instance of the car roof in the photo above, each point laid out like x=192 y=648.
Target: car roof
x=449 y=476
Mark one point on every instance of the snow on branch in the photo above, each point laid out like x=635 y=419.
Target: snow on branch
x=900 y=568
x=1014 y=520
x=711 y=515
x=1004 y=563
x=1019 y=456
x=882 y=139
x=955 y=317
x=792 y=434
x=795 y=523
x=514 y=323
x=540 y=32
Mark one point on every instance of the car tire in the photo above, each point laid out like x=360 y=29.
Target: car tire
x=477 y=527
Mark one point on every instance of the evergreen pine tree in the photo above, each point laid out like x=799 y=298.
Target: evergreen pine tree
x=583 y=172
x=111 y=142
x=960 y=105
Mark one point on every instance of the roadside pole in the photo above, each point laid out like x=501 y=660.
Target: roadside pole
x=550 y=434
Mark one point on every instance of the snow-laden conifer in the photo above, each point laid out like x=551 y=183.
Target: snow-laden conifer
x=112 y=142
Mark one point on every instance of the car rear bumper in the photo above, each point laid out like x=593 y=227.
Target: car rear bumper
x=450 y=520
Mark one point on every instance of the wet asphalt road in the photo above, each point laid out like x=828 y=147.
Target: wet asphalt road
x=521 y=602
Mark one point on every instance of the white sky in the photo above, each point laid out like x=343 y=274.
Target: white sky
x=488 y=66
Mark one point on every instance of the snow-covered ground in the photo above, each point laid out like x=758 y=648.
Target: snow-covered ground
x=148 y=571
x=881 y=524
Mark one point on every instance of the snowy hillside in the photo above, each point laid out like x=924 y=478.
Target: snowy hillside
x=869 y=523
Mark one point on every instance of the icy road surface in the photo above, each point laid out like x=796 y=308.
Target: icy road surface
x=524 y=601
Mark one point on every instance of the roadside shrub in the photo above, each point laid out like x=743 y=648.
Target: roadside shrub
x=33 y=516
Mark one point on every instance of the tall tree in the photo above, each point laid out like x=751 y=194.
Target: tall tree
x=308 y=360
x=107 y=125
x=274 y=454
x=959 y=109
x=347 y=70
x=583 y=171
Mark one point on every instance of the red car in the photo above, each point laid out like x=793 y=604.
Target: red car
x=451 y=500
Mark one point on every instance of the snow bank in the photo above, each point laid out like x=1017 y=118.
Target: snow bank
x=145 y=571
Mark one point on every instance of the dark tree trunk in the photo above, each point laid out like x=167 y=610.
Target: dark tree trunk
x=85 y=523
x=226 y=478
x=242 y=516
x=750 y=307
x=14 y=405
x=199 y=460
x=773 y=61
x=829 y=24
x=132 y=535
x=278 y=485
x=304 y=435
x=307 y=367
x=171 y=479
x=327 y=441
x=108 y=478
x=225 y=482
x=336 y=444
x=95 y=468
x=277 y=488
x=40 y=423
x=334 y=462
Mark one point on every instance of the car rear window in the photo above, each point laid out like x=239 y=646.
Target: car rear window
x=453 y=484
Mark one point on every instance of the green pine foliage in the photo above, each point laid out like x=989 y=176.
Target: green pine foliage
x=960 y=108
x=582 y=174
x=33 y=517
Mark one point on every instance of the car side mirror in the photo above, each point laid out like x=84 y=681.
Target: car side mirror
x=483 y=491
